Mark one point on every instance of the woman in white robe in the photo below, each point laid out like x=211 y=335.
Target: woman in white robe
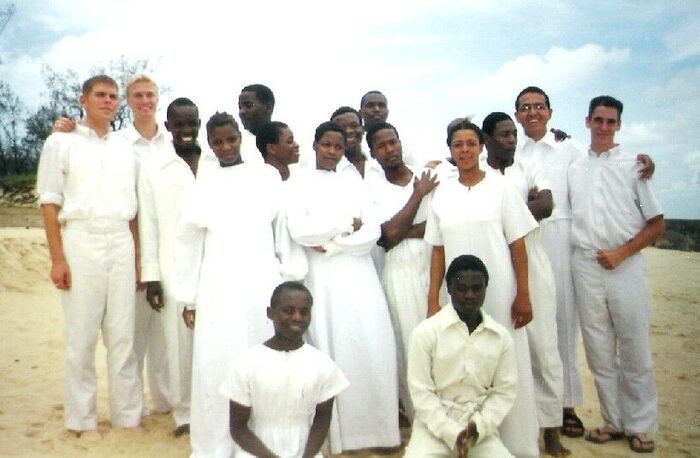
x=332 y=218
x=226 y=269
x=482 y=214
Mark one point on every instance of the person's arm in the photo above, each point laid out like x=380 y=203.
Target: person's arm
x=64 y=124
x=244 y=437
x=60 y=271
x=521 y=312
x=610 y=259
x=396 y=229
x=540 y=203
x=319 y=428
x=149 y=241
x=417 y=231
x=437 y=272
x=134 y=227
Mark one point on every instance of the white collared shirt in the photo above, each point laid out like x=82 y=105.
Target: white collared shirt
x=449 y=367
x=555 y=158
x=88 y=176
x=524 y=174
x=610 y=203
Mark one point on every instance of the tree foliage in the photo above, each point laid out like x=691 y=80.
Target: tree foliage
x=22 y=134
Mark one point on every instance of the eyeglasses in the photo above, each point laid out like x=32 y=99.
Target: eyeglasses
x=525 y=107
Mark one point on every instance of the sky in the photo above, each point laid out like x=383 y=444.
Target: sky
x=434 y=60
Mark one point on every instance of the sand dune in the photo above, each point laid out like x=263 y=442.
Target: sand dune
x=31 y=367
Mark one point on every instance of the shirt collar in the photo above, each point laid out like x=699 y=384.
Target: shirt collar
x=448 y=317
x=612 y=152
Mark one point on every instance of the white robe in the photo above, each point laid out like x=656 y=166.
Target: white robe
x=406 y=273
x=282 y=389
x=227 y=267
x=483 y=220
x=351 y=320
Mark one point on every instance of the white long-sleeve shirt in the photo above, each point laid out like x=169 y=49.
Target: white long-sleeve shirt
x=451 y=372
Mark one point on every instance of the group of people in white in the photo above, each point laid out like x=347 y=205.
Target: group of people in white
x=445 y=295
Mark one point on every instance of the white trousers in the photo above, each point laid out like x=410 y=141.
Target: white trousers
x=101 y=259
x=150 y=348
x=546 y=363
x=423 y=444
x=615 y=318
x=556 y=241
x=178 y=346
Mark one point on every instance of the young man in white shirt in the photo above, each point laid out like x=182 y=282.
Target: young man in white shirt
x=461 y=372
x=615 y=215
x=87 y=189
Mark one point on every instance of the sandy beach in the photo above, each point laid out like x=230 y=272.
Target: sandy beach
x=31 y=366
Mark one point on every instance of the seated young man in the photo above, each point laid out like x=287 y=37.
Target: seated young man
x=615 y=214
x=461 y=372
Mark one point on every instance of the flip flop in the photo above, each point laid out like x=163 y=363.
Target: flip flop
x=645 y=446
x=572 y=426
x=602 y=435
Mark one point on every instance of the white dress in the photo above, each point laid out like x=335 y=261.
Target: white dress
x=483 y=220
x=226 y=266
x=282 y=388
x=351 y=320
x=406 y=273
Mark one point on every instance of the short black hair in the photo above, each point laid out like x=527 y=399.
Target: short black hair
x=180 y=102
x=262 y=93
x=219 y=119
x=605 y=101
x=374 y=128
x=464 y=124
x=362 y=100
x=490 y=121
x=268 y=133
x=289 y=286
x=536 y=90
x=466 y=262
x=328 y=126
x=345 y=109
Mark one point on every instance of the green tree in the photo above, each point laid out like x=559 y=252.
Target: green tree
x=12 y=154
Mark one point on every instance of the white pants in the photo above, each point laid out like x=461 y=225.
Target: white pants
x=556 y=241
x=101 y=259
x=423 y=444
x=546 y=363
x=615 y=313
x=149 y=346
x=178 y=345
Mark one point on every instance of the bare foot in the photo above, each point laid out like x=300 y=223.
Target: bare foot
x=90 y=435
x=552 y=444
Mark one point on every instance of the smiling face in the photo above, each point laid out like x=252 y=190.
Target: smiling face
x=386 y=149
x=225 y=141
x=354 y=132
x=467 y=290
x=290 y=314
x=465 y=148
x=533 y=114
x=143 y=100
x=183 y=123
x=604 y=123
x=329 y=150
x=100 y=104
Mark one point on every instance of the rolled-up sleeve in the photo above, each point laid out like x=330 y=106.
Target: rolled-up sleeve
x=51 y=172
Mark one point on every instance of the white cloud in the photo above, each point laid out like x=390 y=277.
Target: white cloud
x=640 y=136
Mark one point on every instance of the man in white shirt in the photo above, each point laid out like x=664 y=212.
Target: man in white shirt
x=615 y=215
x=500 y=138
x=163 y=181
x=255 y=105
x=533 y=112
x=461 y=372
x=87 y=189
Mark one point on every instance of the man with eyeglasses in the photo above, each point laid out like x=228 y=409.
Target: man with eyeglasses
x=533 y=112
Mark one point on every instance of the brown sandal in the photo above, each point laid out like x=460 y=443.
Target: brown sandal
x=603 y=434
x=642 y=445
x=572 y=426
